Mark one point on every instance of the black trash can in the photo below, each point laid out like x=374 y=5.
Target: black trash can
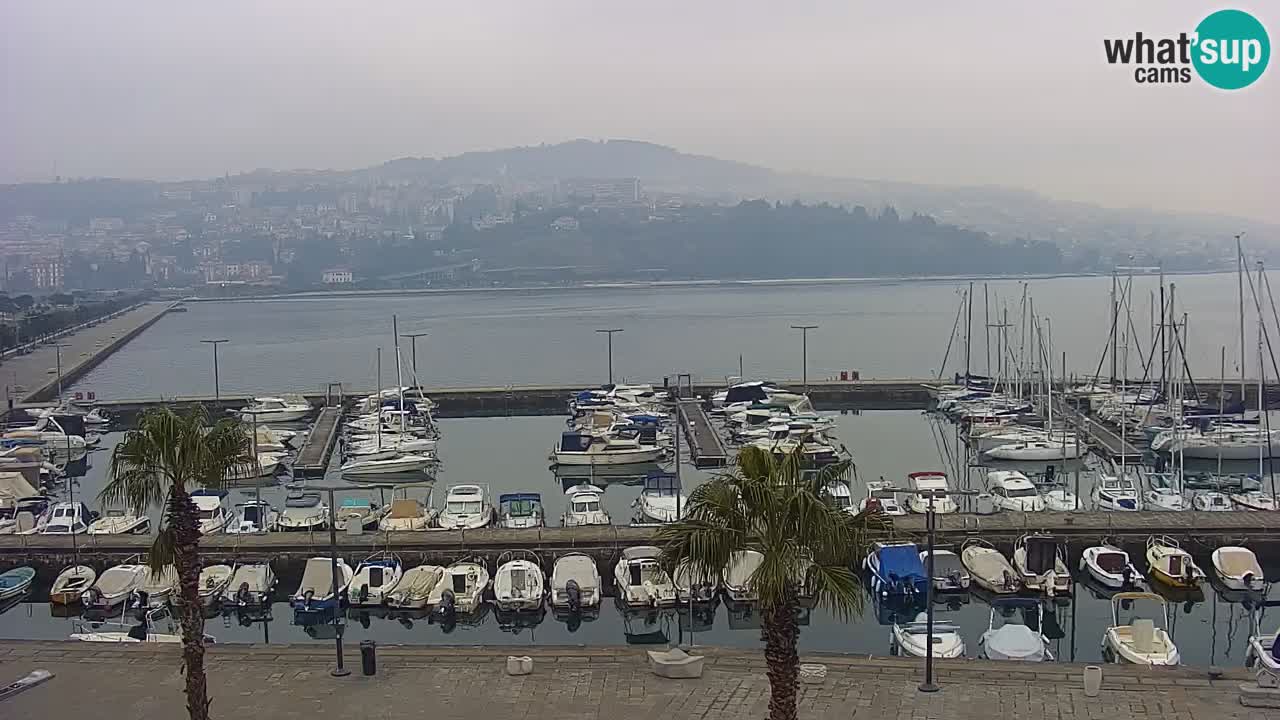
x=369 y=657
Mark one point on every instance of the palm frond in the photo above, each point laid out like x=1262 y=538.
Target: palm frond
x=163 y=552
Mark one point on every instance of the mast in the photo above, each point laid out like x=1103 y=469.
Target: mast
x=395 y=334
x=1163 y=351
x=986 y=323
x=968 y=335
x=1240 y=281
x=378 y=398
x=1222 y=392
x=1115 y=321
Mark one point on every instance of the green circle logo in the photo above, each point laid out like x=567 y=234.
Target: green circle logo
x=1232 y=49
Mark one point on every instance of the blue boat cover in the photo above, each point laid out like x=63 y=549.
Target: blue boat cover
x=514 y=497
x=901 y=562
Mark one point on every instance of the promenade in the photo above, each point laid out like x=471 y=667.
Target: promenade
x=459 y=683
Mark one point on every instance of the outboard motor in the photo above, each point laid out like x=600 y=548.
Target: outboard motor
x=1128 y=577
x=306 y=599
x=363 y=593
x=138 y=600
x=91 y=597
x=1248 y=580
x=574 y=595
x=243 y=595
x=956 y=579
x=488 y=594
x=448 y=604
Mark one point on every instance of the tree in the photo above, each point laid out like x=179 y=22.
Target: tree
x=160 y=463
x=773 y=506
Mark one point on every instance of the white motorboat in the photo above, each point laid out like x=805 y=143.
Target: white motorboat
x=1253 y=500
x=114 y=586
x=67 y=518
x=267 y=464
x=1162 y=493
x=250 y=587
x=989 y=568
x=415 y=587
x=737 y=575
x=303 y=511
x=49 y=436
x=157 y=587
x=1228 y=442
x=362 y=447
x=913 y=638
x=71 y=583
x=253 y=516
x=140 y=633
x=1059 y=499
x=575 y=583
x=640 y=581
x=375 y=578
x=925 y=484
x=1041 y=561
x=214 y=581
x=1010 y=633
x=661 y=500
x=1264 y=653
x=1110 y=567
x=1036 y=451
x=519 y=584
x=1116 y=493
x=695 y=588
x=1211 y=501
x=583 y=507
x=16 y=582
x=949 y=574
x=276 y=409
x=1237 y=568
x=1011 y=490
x=837 y=493
x=466 y=507
x=1172 y=565
x=406 y=515
x=990 y=437
x=211 y=508
x=582 y=449
x=1138 y=641
x=520 y=510
x=461 y=590
x=360 y=512
x=120 y=521
x=401 y=463
x=887 y=505
x=316 y=591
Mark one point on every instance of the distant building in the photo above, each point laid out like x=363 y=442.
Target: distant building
x=603 y=191
x=47 y=275
x=105 y=224
x=564 y=224
x=336 y=276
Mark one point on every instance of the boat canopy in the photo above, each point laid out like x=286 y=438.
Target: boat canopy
x=901 y=562
x=1008 y=603
x=746 y=392
x=303 y=500
x=662 y=484
x=520 y=504
x=574 y=442
x=355 y=502
x=1042 y=553
x=404 y=508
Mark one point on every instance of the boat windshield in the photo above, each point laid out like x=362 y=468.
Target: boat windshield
x=520 y=508
x=464 y=507
x=586 y=506
x=250 y=514
x=1016 y=616
x=1021 y=492
x=209 y=514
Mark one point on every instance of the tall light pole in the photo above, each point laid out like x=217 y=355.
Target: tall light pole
x=340 y=670
x=413 y=350
x=610 y=333
x=58 y=349
x=217 y=391
x=804 y=351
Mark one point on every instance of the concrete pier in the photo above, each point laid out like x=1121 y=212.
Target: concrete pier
x=313 y=458
x=705 y=446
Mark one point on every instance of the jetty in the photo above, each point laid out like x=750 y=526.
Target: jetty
x=1104 y=440
x=313 y=457
x=706 y=447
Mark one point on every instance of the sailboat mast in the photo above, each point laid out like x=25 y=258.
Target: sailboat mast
x=1240 y=282
x=378 y=398
x=968 y=335
x=395 y=335
x=1164 y=387
x=986 y=323
x=1115 y=322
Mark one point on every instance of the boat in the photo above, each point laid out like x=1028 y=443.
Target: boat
x=359 y=512
x=67 y=518
x=989 y=568
x=461 y=589
x=914 y=639
x=253 y=516
x=1011 y=490
x=1237 y=568
x=1036 y=451
x=583 y=507
x=737 y=575
x=877 y=499
x=70 y=583
x=14 y=583
x=1211 y=501
x=406 y=515
x=265 y=465
x=1006 y=639
x=1041 y=561
x=661 y=500
x=114 y=586
x=303 y=511
x=214 y=581
x=896 y=570
x=1162 y=493
x=276 y=409
x=837 y=493
x=375 y=578
x=466 y=507
x=140 y=633
x=392 y=444
x=316 y=591
x=1264 y=653
x=415 y=587
x=949 y=574
x=211 y=507
x=1116 y=493
x=520 y=510
x=157 y=587
x=1253 y=500
x=640 y=581
x=120 y=521
x=1140 y=641
x=250 y=587
x=519 y=584
x=693 y=588
x=575 y=583
x=400 y=463
x=583 y=449
x=1172 y=565
x=1059 y=499
x=925 y=484
x=1110 y=567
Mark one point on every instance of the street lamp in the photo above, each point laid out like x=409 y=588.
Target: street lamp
x=610 y=334
x=58 y=350
x=413 y=348
x=340 y=670
x=217 y=392
x=804 y=350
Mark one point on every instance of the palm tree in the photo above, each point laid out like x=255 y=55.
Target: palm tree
x=773 y=506
x=160 y=463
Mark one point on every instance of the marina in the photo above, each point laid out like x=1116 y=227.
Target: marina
x=706 y=447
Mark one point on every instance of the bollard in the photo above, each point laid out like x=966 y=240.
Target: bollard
x=369 y=657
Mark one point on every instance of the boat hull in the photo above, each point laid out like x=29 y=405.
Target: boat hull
x=629 y=457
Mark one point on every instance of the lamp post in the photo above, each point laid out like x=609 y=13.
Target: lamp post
x=58 y=351
x=610 y=333
x=804 y=351
x=217 y=391
x=413 y=352
x=340 y=670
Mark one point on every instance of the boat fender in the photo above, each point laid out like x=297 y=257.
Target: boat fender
x=574 y=595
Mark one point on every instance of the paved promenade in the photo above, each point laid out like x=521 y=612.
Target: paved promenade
x=143 y=683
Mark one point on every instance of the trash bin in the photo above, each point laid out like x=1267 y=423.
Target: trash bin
x=369 y=657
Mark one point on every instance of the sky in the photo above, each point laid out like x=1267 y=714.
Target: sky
x=990 y=92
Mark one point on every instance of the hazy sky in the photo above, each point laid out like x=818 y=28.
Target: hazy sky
x=1011 y=93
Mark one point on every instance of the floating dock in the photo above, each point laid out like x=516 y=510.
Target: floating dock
x=706 y=448
x=313 y=458
x=1101 y=438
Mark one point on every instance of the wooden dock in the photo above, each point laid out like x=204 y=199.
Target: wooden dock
x=313 y=458
x=706 y=448
x=1101 y=438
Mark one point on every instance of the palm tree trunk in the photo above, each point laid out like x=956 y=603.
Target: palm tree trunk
x=781 y=632
x=186 y=529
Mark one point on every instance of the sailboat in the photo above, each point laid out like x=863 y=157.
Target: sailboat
x=377 y=460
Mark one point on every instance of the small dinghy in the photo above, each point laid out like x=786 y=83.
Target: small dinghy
x=213 y=583
x=70 y=583
x=690 y=589
x=157 y=587
x=640 y=581
x=358 y=511
x=374 y=579
x=461 y=590
x=1237 y=568
x=1254 y=500
x=119 y=521
x=1041 y=561
x=913 y=638
x=989 y=568
x=250 y=586
x=876 y=501
x=1172 y=565
x=949 y=574
x=114 y=586
x=415 y=587
x=519 y=583
x=14 y=583
x=407 y=514
x=1138 y=640
x=1110 y=567
x=316 y=591
x=1264 y=653
x=737 y=575
x=1211 y=501
x=1012 y=634
x=575 y=584
x=928 y=484
x=896 y=570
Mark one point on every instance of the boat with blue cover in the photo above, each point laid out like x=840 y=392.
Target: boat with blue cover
x=896 y=570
